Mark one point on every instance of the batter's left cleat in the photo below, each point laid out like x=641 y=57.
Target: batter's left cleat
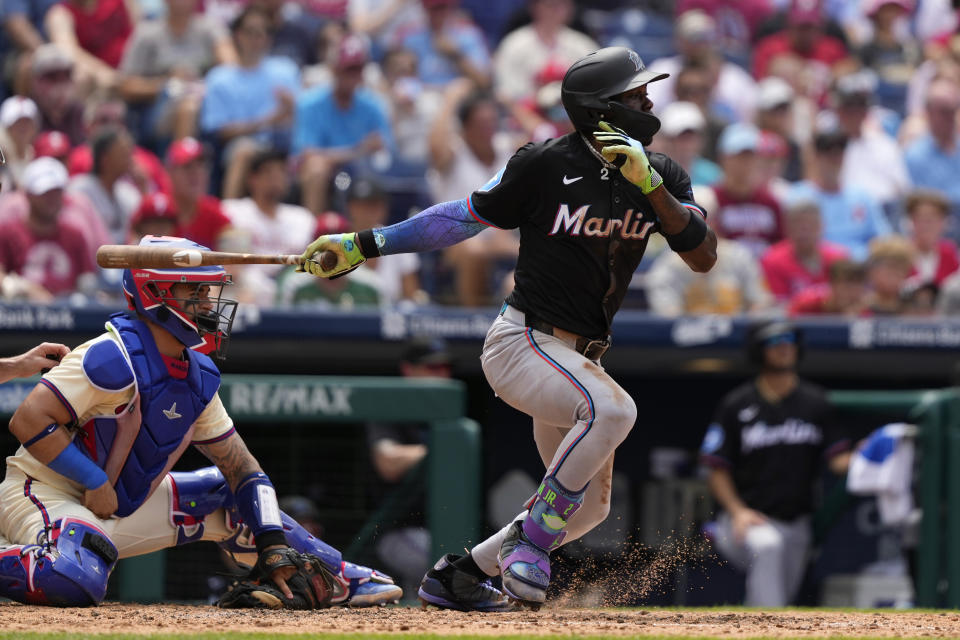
x=525 y=568
x=448 y=587
x=364 y=587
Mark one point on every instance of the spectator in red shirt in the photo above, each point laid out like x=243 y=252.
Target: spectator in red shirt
x=803 y=38
x=45 y=248
x=804 y=257
x=199 y=215
x=935 y=256
x=746 y=210
x=845 y=294
x=95 y=33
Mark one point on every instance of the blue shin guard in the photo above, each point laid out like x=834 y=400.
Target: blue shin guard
x=68 y=567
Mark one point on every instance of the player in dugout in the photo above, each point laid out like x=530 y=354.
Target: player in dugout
x=765 y=450
x=100 y=432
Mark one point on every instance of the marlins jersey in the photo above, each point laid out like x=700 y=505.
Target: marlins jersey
x=774 y=451
x=87 y=402
x=583 y=226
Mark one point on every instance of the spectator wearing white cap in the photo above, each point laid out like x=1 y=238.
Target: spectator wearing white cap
x=45 y=248
x=681 y=137
x=734 y=93
x=19 y=123
x=777 y=106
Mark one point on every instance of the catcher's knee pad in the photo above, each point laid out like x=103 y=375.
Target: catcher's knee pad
x=68 y=567
x=196 y=494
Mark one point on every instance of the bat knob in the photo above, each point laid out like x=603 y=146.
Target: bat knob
x=328 y=260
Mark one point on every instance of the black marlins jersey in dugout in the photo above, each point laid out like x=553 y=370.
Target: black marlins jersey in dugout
x=583 y=229
x=774 y=451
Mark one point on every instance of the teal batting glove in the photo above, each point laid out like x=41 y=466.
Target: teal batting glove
x=637 y=167
x=343 y=245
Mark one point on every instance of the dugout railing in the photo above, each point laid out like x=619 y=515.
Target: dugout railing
x=451 y=470
x=937 y=482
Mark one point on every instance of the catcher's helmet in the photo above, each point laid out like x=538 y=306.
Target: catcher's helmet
x=760 y=336
x=594 y=79
x=200 y=322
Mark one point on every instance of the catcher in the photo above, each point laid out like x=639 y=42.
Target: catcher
x=100 y=433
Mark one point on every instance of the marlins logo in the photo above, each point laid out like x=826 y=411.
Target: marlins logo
x=635 y=59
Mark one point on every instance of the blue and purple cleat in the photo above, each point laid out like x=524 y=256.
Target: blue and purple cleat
x=525 y=568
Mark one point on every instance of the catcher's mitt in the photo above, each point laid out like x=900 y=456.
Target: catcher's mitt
x=313 y=585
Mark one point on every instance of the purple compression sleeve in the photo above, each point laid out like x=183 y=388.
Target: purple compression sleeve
x=436 y=227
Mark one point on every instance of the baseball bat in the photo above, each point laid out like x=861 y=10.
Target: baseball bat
x=121 y=256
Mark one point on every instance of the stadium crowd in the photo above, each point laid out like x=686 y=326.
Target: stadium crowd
x=820 y=135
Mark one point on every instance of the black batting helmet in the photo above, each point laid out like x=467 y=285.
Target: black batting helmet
x=594 y=79
x=759 y=336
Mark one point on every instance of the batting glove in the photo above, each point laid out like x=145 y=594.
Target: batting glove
x=637 y=167
x=344 y=245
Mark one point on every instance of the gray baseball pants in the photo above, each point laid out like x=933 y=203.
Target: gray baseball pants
x=580 y=416
x=774 y=556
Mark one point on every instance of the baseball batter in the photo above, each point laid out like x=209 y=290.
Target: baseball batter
x=100 y=433
x=586 y=205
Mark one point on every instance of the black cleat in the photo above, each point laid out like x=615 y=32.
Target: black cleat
x=448 y=587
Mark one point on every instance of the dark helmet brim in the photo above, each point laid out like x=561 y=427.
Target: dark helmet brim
x=643 y=77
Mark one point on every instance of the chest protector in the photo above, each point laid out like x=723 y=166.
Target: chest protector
x=138 y=445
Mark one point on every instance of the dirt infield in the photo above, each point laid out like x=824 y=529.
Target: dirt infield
x=186 y=620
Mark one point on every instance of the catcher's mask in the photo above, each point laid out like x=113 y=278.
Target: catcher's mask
x=196 y=313
x=591 y=85
x=762 y=336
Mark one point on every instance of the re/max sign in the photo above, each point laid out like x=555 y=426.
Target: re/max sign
x=275 y=399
